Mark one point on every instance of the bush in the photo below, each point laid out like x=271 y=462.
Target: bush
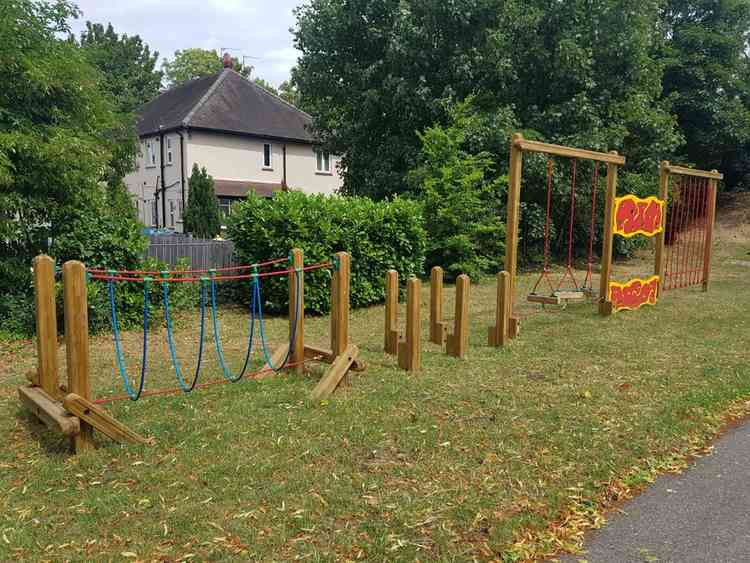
x=379 y=236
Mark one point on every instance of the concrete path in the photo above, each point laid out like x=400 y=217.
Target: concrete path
x=702 y=514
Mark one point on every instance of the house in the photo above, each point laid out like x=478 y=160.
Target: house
x=246 y=137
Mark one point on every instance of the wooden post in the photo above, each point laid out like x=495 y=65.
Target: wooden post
x=297 y=311
x=409 y=351
x=47 y=374
x=77 y=342
x=710 y=219
x=340 y=303
x=498 y=334
x=605 y=307
x=437 y=326
x=392 y=334
x=458 y=342
x=661 y=237
x=511 y=225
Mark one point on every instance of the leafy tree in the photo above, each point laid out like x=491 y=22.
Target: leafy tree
x=130 y=79
x=193 y=63
x=289 y=93
x=202 y=214
x=266 y=85
x=707 y=75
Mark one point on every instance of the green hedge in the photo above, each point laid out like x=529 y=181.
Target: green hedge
x=379 y=236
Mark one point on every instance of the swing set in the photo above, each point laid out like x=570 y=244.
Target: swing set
x=71 y=409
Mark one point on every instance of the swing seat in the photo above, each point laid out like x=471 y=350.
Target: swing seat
x=576 y=295
x=544 y=299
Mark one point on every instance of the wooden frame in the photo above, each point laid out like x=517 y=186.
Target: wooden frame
x=409 y=350
x=497 y=335
x=518 y=146
x=457 y=343
x=438 y=328
x=392 y=333
x=665 y=173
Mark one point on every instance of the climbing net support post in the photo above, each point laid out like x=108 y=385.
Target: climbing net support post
x=457 y=343
x=68 y=410
x=438 y=328
x=497 y=335
x=343 y=356
x=409 y=350
x=518 y=147
x=392 y=334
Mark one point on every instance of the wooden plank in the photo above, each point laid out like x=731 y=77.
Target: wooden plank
x=297 y=311
x=47 y=375
x=660 y=243
x=458 y=342
x=50 y=412
x=536 y=146
x=338 y=370
x=514 y=327
x=713 y=174
x=390 y=344
x=710 y=220
x=77 y=342
x=326 y=356
x=277 y=356
x=512 y=220
x=607 y=239
x=498 y=334
x=409 y=351
x=544 y=299
x=570 y=295
x=340 y=304
x=98 y=418
x=437 y=331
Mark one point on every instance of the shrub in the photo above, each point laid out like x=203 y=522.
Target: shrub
x=379 y=236
x=202 y=212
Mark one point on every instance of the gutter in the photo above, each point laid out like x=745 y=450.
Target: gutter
x=163 y=191
x=156 y=199
x=182 y=171
x=283 y=177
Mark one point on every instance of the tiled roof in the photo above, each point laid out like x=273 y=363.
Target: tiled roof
x=225 y=102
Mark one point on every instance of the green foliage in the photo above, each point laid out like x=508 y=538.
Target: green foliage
x=462 y=196
x=379 y=236
x=266 y=85
x=189 y=64
x=288 y=92
x=202 y=217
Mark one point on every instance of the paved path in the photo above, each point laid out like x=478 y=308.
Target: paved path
x=702 y=514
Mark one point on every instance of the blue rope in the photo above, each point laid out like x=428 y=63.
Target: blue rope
x=292 y=336
x=217 y=338
x=132 y=393
x=170 y=337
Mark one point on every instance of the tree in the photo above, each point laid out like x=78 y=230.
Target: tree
x=707 y=75
x=289 y=93
x=130 y=79
x=193 y=63
x=266 y=85
x=202 y=217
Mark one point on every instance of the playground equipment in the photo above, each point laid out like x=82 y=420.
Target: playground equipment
x=71 y=409
x=457 y=342
x=406 y=346
x=497 y=334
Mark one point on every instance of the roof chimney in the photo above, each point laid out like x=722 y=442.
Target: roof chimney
x=227 y=60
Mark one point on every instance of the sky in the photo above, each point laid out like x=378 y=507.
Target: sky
x=250 y=28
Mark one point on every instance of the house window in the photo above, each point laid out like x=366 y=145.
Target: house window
x=169 y=151
x=150 y=154
x=225 y=206
x=323 y=162
x=181 y=209
x=172 y=209
x=154 y=213
x=267 y=156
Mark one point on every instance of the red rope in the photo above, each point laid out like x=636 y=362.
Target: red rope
x=216 y=278
x=178 y=390
x=545 y=271
x=569 y=266
x=592 y=229
x=189 y=271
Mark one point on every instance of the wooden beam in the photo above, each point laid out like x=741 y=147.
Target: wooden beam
x=498 y=334
x=409 y=351
x=544 y=299
x=47 y=374
x=536 y=146
x=713 y=174
x=98 y=418
x=77 y=342
x=458 y=342
x=607 y=240
x=297 y=311
x=570 y=295
x=326 y=356
x=338 y=370
x=437 y=328
x=391 y=336
x=340 y=303
x=277 y=356
x=512 y=221
x=710 y=220
x=660 y=242
x=50 y=412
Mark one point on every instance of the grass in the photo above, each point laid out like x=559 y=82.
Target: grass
x=468 y=459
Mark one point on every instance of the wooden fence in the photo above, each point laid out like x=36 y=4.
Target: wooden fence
x=202 y=253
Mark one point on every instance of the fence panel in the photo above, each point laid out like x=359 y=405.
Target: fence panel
x=202 y=253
